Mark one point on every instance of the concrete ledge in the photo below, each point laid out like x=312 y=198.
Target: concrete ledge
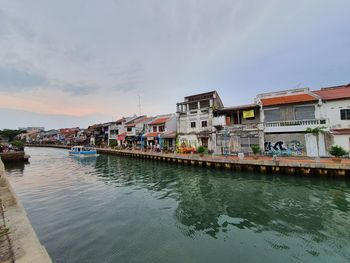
x=20 y=244
x=289 y=166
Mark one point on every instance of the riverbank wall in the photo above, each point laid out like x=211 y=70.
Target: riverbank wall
x=286 y=165
x=18 y=241
x=14 y=157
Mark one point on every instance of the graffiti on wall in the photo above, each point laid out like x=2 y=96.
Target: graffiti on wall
x=291 y=148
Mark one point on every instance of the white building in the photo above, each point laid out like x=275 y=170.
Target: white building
x=286 y=116
x=336 y=106
x=161 y=130
x=195 y=119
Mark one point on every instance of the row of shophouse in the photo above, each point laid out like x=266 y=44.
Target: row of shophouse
x=276 y=121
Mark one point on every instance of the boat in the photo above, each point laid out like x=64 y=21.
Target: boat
x=83 y=151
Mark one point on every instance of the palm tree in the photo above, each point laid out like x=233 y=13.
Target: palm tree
x=316 y=132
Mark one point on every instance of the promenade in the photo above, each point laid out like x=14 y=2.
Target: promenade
x=18 y=241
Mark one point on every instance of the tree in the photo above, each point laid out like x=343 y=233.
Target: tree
x=316 y=132
x=10 y=134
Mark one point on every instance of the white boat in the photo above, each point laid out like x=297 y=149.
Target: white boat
x=82 y=151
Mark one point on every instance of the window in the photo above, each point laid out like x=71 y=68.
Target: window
x=129 y=129
x=193 y=124
x=161 y=128
x=154 y=128
x=204 y=104
x=272 y=115
x=345 y=114
x=193 y=106
x=305 y=112
x=204 y=124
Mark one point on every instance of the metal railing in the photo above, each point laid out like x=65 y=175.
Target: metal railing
x=312 y=122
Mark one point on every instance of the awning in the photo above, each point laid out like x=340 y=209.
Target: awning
x=168 y=135
x=151 y=134
x=121 y=137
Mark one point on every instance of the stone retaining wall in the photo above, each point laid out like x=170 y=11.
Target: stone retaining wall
x=292 y=167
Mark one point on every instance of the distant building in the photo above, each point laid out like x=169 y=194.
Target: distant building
x=195 y=119
x=32 y=129
x=161 y=130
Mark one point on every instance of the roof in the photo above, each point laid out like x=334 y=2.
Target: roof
x=132 y=124
x=159 y=121
x=151 y=134
x=341 y=131
x=169 y=135
x=205 y=93
x=239 y=107
x=334 y=93
x=288 y=99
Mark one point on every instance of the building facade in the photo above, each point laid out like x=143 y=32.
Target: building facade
x=195 y=120
x=336 y=106
x=160 y=130
x=237 y=128
x=286 y=116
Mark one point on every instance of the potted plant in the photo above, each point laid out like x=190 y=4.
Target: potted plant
x=337 y=151
x=201 y=150
x=256 y=150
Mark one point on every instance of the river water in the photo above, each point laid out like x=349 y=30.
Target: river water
x=120 y=209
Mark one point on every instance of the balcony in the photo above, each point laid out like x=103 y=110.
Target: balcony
x=219 y=121
x=294 y=125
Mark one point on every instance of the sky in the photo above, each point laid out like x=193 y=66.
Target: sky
x=71 y=62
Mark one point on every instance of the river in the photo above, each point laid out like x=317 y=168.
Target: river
x=121 y=209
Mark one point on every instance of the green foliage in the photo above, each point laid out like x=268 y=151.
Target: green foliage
x=18 y=145
x=113 y=143
x=10 y=134
x=200 y=149
x=255 y=148
x=316 y=131
x=337 y=151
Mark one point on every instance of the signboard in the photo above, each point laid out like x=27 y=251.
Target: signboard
x=248 y=114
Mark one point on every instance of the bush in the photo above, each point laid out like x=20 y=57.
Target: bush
x=113 y=143
x=337 y=151
x=19 y=145
x=255 y=148
x=200 y=149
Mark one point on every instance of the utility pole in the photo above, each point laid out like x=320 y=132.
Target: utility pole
x=139 y=104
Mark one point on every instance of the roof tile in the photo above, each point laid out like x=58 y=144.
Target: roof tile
x=289 y=99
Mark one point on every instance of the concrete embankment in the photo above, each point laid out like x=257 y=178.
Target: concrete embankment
x=18 y=241
x=286 y=165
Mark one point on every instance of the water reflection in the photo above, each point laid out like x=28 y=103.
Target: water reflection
x=214 y=201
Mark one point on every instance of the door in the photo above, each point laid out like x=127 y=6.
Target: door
x=204 y=142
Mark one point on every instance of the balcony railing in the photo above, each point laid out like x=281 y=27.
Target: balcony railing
x=296 y=123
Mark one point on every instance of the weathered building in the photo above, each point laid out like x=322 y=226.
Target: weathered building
x=286 y=116
x=195 y=119
x=336 y=106
x=237 y=129
x=161 y=130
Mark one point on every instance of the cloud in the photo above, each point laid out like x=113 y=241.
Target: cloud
x=12 y=79
x=77 y=89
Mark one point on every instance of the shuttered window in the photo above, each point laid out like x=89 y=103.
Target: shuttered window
x=305 y=113
x=272 y=115
x=345 y=114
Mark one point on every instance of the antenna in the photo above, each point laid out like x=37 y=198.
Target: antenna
x=139 y=104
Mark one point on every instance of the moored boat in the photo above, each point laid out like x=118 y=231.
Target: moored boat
x=83 y=151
